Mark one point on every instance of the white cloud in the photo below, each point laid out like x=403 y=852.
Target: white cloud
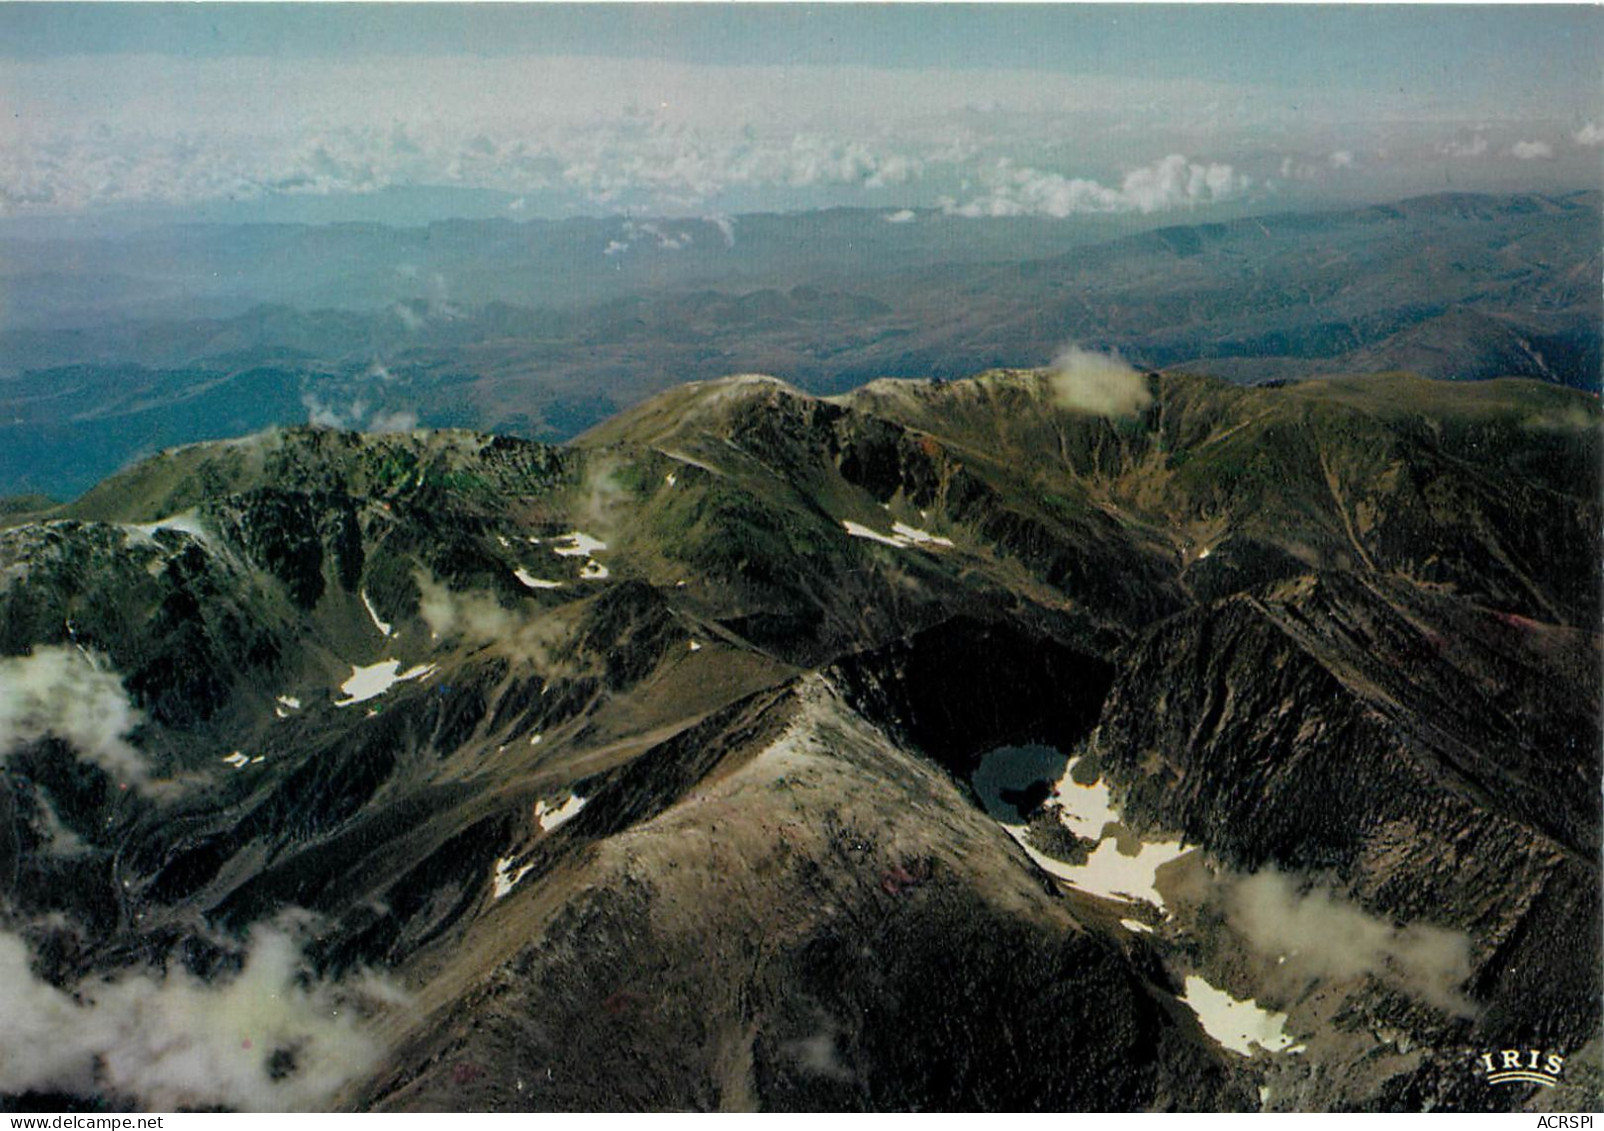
x=1532 y=151
x=267 y=1039
x=76 y=697
x=894 y=169
x=666 y=239
x=1341 y=159
x=902 y=216
x=726 y=228
x=320 y=414
x=628 y=134
x=359 y=414
x=1097 y=383
x=1293 y=169
x=1459 y=148
x=618 y=160
x=398 y=421
x=1318 y=933
x=120 y=129
x=474 y=616
x=1168 y=183
x=1589 y=135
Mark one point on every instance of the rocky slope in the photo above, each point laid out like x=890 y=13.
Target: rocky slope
x=636 y=773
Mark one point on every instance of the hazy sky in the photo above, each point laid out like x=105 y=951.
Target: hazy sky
x=707 y=109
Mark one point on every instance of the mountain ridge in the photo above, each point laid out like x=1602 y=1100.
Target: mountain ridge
x=660 y=748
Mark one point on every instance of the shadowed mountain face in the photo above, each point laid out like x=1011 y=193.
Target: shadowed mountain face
x=535 y=330
x=636 y=773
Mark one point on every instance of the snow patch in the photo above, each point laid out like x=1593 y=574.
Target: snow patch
x=576 y=545
x=534 y=582
x=690 y=461
x=858 y=530
x=505 y=878
x=374 y=680
x=1136 y=926
x=185 y=523
x=1238 y=1025
x=237 y=760
x=918 y=537
x=902 y=535
x=549 y=818
x=1120 y=867
x=1085 y=810
x=382 y=626
x=669 y=479
x=1108 y=872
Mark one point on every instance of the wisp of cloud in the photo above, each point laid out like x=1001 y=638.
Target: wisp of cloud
x=1323 y=935
x=75 y=696
x=1097 y=383
x=267 y=1039
x=470 y=616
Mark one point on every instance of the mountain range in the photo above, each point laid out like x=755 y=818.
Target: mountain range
x=543 y=330
x=1079 y=738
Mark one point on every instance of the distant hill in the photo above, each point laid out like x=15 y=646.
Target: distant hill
x=1455 y=287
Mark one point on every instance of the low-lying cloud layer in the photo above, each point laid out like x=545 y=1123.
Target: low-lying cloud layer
x=1098 y=383
x=267 y=1039
x=1168 y=183
x=72 y=695
x=1323 y=935
x=561 y=132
